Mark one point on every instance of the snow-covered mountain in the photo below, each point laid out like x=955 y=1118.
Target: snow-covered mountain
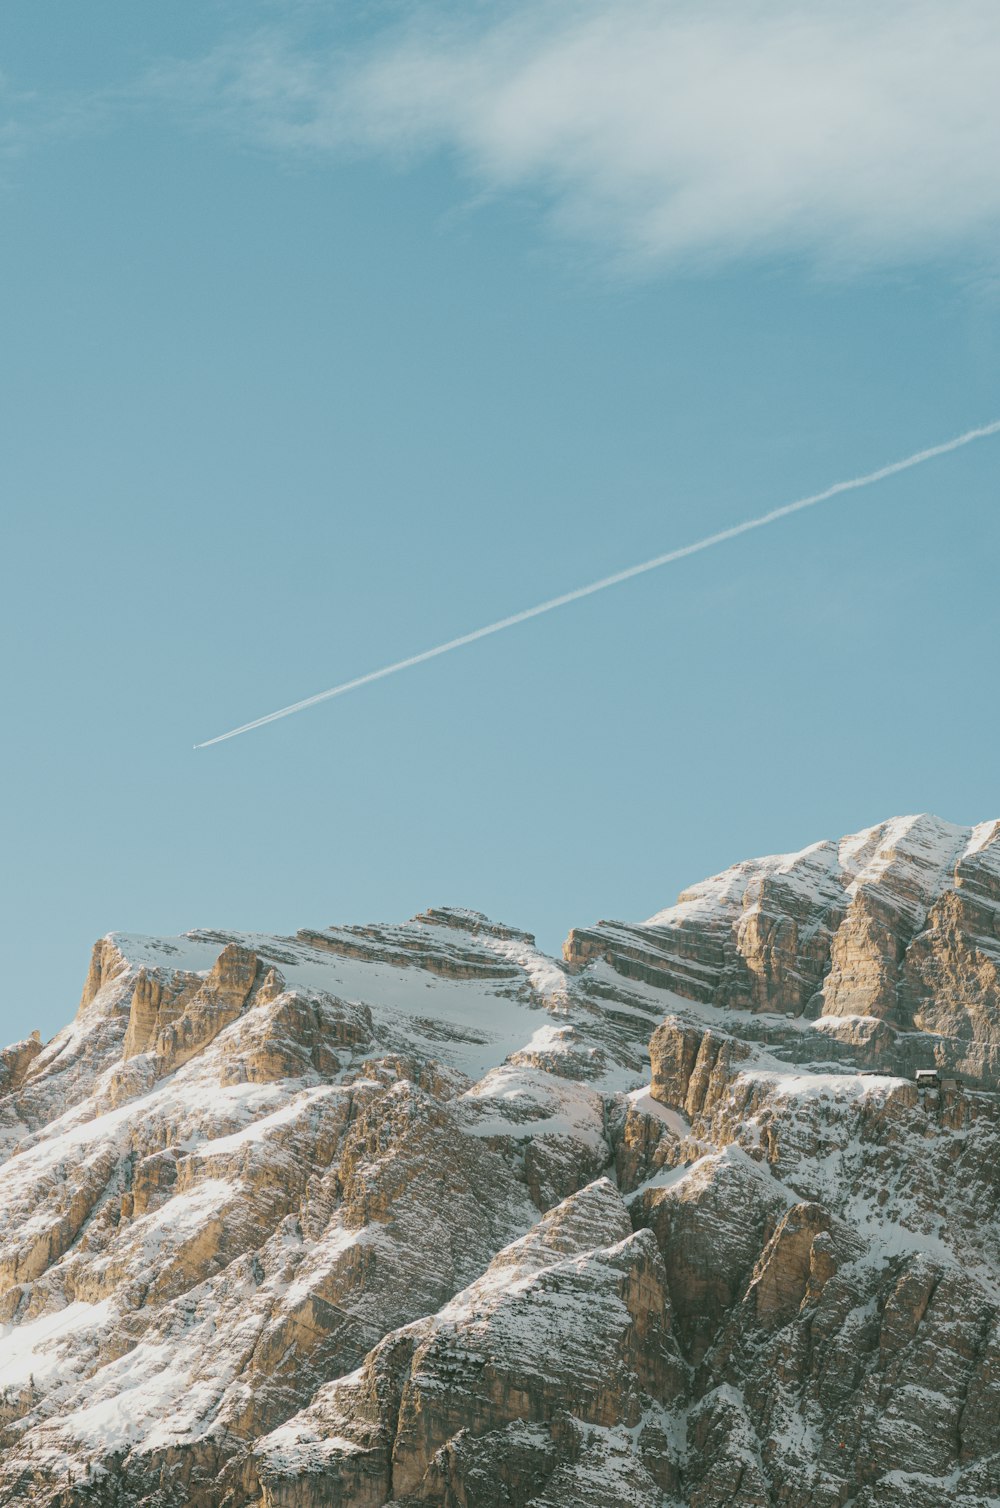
x=416 y=1214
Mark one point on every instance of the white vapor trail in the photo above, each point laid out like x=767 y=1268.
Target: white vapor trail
x=613 y=580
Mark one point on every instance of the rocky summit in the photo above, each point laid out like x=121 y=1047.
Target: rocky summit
x=703 y=1214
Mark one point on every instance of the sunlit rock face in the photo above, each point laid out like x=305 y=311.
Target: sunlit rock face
x=415 y=1214
x=883 y=934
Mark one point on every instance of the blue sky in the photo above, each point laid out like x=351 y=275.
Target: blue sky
x=329 y=336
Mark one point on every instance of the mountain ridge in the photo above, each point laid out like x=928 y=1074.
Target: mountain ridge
x=416 y=1213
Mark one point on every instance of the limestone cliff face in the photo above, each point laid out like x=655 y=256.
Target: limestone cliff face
x=415 y=1214
x=899 y=924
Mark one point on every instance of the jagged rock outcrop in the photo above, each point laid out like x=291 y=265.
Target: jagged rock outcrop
x=16 y=1060
x=562 y=1334
x=888 y=941
x=418 y=1215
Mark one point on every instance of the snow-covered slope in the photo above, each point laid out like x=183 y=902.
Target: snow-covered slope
x=417 y=1214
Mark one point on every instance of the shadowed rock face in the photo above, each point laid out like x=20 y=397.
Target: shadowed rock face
x=418 y=1215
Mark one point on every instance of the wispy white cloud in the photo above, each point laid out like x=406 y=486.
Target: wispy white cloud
x=680 y=130
x=30 y=119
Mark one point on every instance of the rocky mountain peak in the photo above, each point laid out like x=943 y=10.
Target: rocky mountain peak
x=416 y=1214
x=897 y=924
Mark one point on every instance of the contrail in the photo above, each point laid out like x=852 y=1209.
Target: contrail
x=613 y=580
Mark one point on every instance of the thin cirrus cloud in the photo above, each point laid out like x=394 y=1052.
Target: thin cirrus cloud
x=847 y=132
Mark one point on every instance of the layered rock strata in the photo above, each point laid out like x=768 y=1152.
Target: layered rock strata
x=888 y=934
x=418 y=1215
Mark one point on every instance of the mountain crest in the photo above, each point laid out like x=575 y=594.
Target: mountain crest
x=416 y=1214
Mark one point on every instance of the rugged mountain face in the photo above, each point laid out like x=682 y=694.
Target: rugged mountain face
x=415 y=1214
